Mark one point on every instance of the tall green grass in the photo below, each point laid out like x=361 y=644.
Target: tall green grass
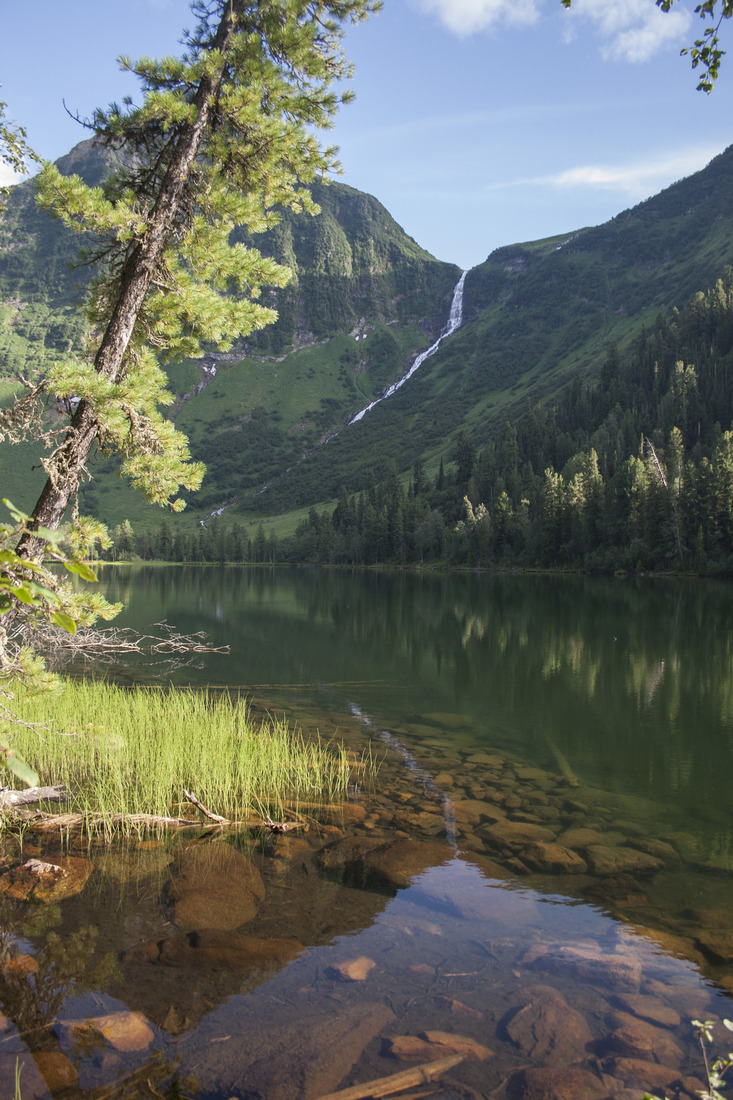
x=134 y=751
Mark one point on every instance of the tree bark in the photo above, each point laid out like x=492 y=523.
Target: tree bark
x=135 y=283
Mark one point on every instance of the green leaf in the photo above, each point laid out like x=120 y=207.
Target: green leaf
x=63 y=620
x=81 y=569
x=24 y=772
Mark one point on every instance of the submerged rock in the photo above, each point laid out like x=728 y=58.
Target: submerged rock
x=38 y=880
x=213 y=949
x=544 y=1083
x=546 y=1029
x=213 y=886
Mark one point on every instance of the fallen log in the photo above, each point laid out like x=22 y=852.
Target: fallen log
x=50 y=823
x=10 y=799
x=397 y=1082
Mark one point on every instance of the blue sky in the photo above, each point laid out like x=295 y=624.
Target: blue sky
x=478 y=123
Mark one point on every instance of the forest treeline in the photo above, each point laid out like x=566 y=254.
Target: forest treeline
x=632 y=470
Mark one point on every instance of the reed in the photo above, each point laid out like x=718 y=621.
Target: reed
x=133 y=751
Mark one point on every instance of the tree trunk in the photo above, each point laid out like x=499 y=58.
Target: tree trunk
x=135 y=283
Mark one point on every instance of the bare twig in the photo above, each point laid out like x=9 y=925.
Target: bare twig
x=207 y=813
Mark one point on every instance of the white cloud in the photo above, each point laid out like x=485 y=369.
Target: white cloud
x=8 y=176
x=465 y=17
x=633 y=29
x=635 y=181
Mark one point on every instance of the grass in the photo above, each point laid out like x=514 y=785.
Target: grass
x=133 y=752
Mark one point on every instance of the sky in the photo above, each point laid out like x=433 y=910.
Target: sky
x=477 y=123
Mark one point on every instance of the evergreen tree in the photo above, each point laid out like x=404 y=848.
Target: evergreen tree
x=224 y=134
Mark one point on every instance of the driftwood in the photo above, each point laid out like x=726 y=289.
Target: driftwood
x=207 y=813
x=50 y=823
x=398 y=1082
x=10 y=799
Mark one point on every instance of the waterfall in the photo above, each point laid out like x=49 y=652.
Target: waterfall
x=455 y=319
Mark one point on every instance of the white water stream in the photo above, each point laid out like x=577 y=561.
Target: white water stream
x=455 y=319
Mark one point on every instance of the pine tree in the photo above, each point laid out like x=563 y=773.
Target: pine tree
x=224 y=134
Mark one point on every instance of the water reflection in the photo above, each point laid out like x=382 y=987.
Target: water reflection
x=543 y=867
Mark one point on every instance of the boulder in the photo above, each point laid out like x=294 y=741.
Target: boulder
x=213 y=886
x=604 y=860
x=553 y=859
x=46 y=882
x=547 y=1030
x=514 y=835
x=212 y=949
x=569 y=1083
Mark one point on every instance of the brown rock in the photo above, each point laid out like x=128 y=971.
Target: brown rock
x=547 y=1030
x=650 y=1008
x=717 y=945
x=449 y=1043
x=604 y=860
x=618 y=891
x=580 y=838
x=517 y=834
x=353 y=970
x=56 y=1070
x=213 y=886
x=473 y=810
x=553 y=859
x=456 y=1007
x=306 y=1058
x=408 y=1048
x=635 y=1038
x=125 y=1031
x=556 y=1084
x=45 y=882
x=401 y=861
x=648 y=1076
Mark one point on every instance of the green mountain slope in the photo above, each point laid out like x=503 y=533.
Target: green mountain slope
x=269 y=419
x=536 y=315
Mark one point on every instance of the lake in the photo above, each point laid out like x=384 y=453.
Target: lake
x=538 y=879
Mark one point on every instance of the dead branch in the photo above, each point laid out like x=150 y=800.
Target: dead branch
x=109 y=645
x=207 y=813
x=51 y=823
x=397 y=1082
x=10 y=799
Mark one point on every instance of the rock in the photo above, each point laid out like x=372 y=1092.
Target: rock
x=490 y=760
x=213 y=886
x=635 y=1038
x=616 y=972
x=376 y=864
x=212 y=949
x=449 y=1043
x=547 y=1030
x=472 y=811
x=45 y=882
x=553 y=859
x=353 y=970
x=556 y=1084
x=447 y=721
x=645 y=1076
x=580 y=838
x=421 y=821
x=306 y=1058
x=517 y=834
x=660 y=849
x=650 y=1008
x=429 y=1046
x=618 y=891
x=604 y=860
x=717 y=945
x=56 y=1070
x=340 y=812
x=125 y=1031
x=456 y=1007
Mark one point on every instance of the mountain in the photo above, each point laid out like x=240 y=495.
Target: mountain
x=270 y=418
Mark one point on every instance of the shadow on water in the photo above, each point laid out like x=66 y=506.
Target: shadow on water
x=540 y=878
